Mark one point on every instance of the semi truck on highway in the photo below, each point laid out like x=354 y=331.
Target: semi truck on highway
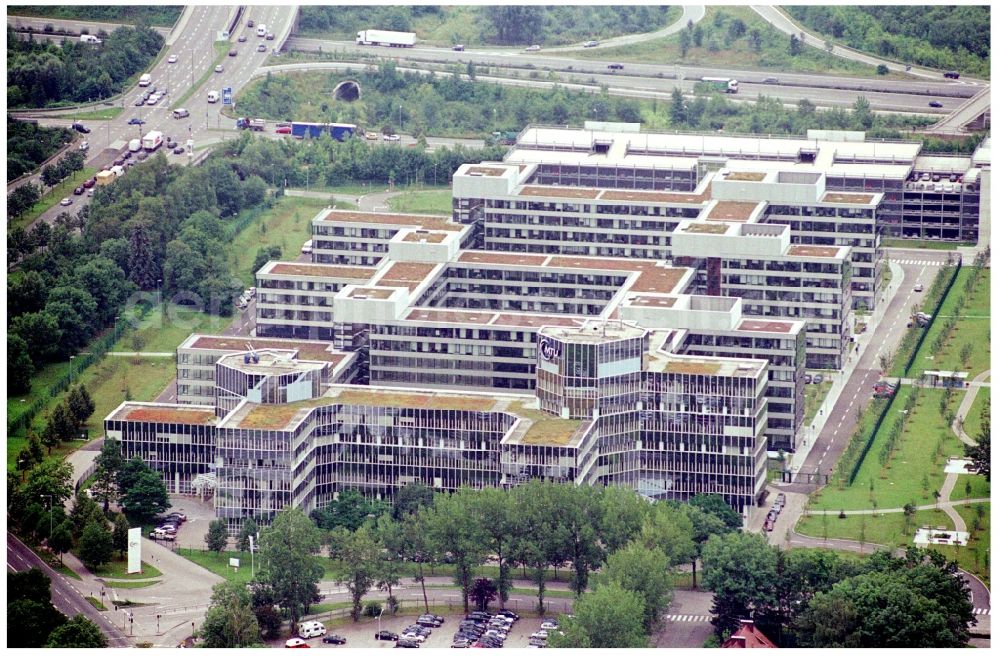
x=253 y=124
x=152 y=140
x=722 y=84
x=339 y=131
x=386 y=38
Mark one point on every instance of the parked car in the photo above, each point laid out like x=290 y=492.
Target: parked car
x=406 y=644
x=171 y=144
x=509 y=613
x=78 y=191
x=807 y=379
x=935 y=103
x=84 y=145
x=89 y=183
x=550 y=626
x=172 y=59
x=283 y=130
x=460 y=644
x=416 y=637
x=66 y=201
x=296 y=643
x=249 y=23
x=371 y=136
x=140 y=101
x=81 y=128
x=540 y=634
x=334 y=639
x=386 y=635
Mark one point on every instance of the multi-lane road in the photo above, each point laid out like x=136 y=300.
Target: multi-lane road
x=64 y=597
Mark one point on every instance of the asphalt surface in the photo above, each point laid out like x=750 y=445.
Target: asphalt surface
x=64 y=597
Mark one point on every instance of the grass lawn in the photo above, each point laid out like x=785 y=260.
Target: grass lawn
x=739 y=54
x=129 y=585
x=117 y=569
x=975 y=557
x=422 y=202
x=973 y=421
x=44 y=378
x=52 y=197
x=815 y=395
x=923 y=243
x=66 y=571
x=99 y=114
x=979 y=487
x=96 y=603
x=161 y=332
x=901 y=481
x=287 y=225
x=973 y=328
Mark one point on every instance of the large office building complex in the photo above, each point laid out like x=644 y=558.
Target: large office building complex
x=603 y=307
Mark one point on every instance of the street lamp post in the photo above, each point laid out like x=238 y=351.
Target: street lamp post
x=71 y=358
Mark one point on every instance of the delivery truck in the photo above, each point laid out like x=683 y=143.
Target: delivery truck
x=386 y=38
x=339 y=131
x=152 y=140
x=721 y=84
x=253 y=124
x=105 y=178
x=145 y=79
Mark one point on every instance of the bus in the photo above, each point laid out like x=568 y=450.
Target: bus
x=722 y=84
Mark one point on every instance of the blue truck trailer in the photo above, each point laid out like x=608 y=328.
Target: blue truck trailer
x=339 y=131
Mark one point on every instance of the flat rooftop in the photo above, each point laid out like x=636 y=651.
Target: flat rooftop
x=406 y=274
x=428 y=221
x=701 y=228
x=655 y=196
x=666 y=363
x=744 y=176
x=167 y=414
x=497 y=257
x=814 y=251
x=307 y=350
x=426 y=236
x=596 y=332
x=842 y=197
x=319 y=270
x=486 y=170
x=729 y=210
x=652 y=301
x=480 y=318
x=757 y=325
x=559 y=192
x=380 y=293
x=271 y=362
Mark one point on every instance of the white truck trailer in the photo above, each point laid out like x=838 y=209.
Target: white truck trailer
x=386 y=38
x=152 y=140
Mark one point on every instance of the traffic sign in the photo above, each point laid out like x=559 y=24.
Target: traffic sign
x=227 y=95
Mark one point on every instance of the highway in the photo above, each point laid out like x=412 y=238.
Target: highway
x=64 y=596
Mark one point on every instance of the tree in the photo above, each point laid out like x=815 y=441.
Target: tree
x=263 y=601
x=740 y=569
x=119 y=533
x=217 y=536
x=146 y=498
x=40 y=331
x=23 y=199
x=909 y=511
x=264 y=255
x=882 y=69
x=359 y=554
x=410 y=498
x=610 y=617
x=287 y=548
x=678 y=111
x=453 y=528
x=19 y=366
x=230 y=621
x=794 y=46
x=540 y=541
x=35 y=622
x=494 y=508
x=697 y=34
x=684 y=43
x=62 y=538
x=96 y=545
x=979 y=453
x=389 y=534
x=79 y=632
x=647 y=573
x=578 y=520
x=483 y=592
x=62 y=425
x=416 y=548
x=623 y=513
x=108 y=463
x=965 y=354
x=884 y=361
x=756 y=40
x=863 y=115
x=250 y=528
x=349 y=510
x=670 y=530
x=714 y=504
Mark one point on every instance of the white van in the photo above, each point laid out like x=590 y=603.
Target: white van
x=311 y=629
x=145 y=79
x=307 y=248
x=181 y=113
x=213 y=96
x=262 y=30
x=135 y=145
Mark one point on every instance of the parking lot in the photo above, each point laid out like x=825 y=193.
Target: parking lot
x=362 y=634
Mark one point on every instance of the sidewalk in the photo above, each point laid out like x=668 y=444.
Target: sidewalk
x=841 y=378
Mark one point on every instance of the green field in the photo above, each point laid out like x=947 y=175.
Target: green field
x=422 y=202
x=161 y=332
x=129 y=585
x=117 y=569
x=718 y=51
x=973 y=422
x=923 y=243
x=975 y=557
x=99 y=114
x=901 y=481
x=972 y=328
x=286 y=225
x=815 y=395
x=51 y=198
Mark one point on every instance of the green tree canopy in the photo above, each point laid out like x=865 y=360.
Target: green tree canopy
x=286 y=549
x=646 y=572
x=230 y=621
x=77 y=633
x=146 y=498
x=610 y=617
x=740 y=569
x=217 y=536
x=96 y=545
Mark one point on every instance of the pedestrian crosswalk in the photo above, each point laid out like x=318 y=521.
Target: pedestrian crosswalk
x=920 y=262
x=980 y=611
x=689 y=618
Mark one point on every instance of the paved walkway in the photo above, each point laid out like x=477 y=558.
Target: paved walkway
x=940 y=506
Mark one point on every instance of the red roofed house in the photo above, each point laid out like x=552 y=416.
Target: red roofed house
x=748 y=636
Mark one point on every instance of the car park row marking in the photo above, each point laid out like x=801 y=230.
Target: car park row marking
x=920 y=262
x=689 y=618
x=980 y=611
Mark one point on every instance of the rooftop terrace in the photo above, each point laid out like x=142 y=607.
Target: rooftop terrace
x=165 y=414
x=320 y=270
x=814 y=251
x=560 y=192
x=308 y=350
x=756 y=325
x=406 y=274
x=728 y=210
x=427 y=221
x=842 y=197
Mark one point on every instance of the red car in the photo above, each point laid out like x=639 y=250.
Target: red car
x=283 y=130
x=89 y=183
